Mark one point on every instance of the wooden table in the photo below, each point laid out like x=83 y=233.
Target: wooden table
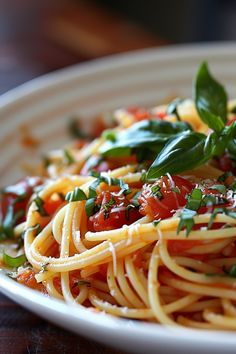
x=22 y=332
x=58 y=41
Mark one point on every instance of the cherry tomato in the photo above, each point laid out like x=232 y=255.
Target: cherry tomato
x=171 y=195
x=113 y=212
x=18 y=196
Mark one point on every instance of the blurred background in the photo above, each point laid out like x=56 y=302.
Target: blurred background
x=39 y=36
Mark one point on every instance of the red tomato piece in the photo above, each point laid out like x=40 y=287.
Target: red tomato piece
x=113 y=212
x=18 y=196
x=172 y=196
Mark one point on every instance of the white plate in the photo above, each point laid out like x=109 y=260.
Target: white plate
x=44 y=104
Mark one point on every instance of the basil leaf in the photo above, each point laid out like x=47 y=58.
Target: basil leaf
x=40 y=208
x=217 y=211
x=186 y=221
x=68 y=157
x=210 y=99
x=194 y=199
x=90 y=206
x=145 y=138
x=76 y=195
x=182 y=153
x=14 y=261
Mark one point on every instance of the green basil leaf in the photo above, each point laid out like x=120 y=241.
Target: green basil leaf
x=145 y=138
x=76 y=195
x=68 y=157
x=14 y=261
x=182 y=153
x=40 y=208
x=186 y=221
x=194 y=199
x=90 y=206
x=210 y=99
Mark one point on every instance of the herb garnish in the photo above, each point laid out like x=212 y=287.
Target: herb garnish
x=40 y=208
x=107 y=207
x=76 y=195
x=155 y=189
x=14 y=262
x=190 y=149
x=188 y=213
x=68 y=157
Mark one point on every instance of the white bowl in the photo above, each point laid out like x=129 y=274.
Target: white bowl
x=44 y=106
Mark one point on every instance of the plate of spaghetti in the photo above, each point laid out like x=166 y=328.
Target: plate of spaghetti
x=127 y=232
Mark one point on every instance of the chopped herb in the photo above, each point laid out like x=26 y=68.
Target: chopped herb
x=76 y=195
x=218 y=187
x=61 y=195
x=13 y=261
x=40 y=208
x=194 y=199
x=217 y=211
x=110 y=135
x=156 y=222
x=127 y=210
x=155 y=189
x=68 y=157
x=143 y=177
x=108 y=206
x=44 y=267
x=134 y=200
x=186 y=221
x=110 y=181
x=90 y=207
x=210 y=199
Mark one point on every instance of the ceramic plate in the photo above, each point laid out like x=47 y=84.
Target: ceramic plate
x=43 y=107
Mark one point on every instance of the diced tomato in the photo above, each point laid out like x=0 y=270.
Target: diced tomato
x=141 y=113
x=27 y=278
x=18 y=196
x=52 y=205
x=172 y=196
x=113 y=212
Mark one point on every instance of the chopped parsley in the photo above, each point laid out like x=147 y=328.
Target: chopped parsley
x=40 y=206
x=76 y=195
x=68 y=157
x=107 y=207
x=155 y=189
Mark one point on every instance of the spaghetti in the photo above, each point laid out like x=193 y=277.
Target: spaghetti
x=140 y=222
